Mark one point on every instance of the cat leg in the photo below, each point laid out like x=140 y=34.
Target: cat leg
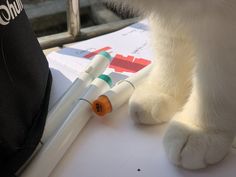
x=203 y=132
x=167 y=87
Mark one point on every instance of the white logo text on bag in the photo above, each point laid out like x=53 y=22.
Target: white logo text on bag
x=10 y=11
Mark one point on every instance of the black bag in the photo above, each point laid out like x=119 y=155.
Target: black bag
x=25 y=83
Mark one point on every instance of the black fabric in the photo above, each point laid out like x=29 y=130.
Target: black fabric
x=25 y=83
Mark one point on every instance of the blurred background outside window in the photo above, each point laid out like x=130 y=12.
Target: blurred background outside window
x=50 y=16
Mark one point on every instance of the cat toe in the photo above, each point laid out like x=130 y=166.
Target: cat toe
x=192 y=147
x=151 y=108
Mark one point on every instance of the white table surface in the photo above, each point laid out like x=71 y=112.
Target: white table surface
x=116 y=147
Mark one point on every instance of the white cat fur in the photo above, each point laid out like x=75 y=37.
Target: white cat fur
x=193 y=82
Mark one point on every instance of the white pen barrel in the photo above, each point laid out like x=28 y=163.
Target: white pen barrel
x=54 y=149
x=99 y=64
x=117 y=99
x=123 y=90
x=138 y=77
x=58 y=113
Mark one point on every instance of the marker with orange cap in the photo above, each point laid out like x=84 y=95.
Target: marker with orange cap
x=119 y=94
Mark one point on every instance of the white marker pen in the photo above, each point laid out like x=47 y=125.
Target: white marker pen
x=119 y=94
x=54 y=149
x=61 y=110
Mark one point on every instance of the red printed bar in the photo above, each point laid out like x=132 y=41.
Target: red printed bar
x=92 y=54
x=128 y=64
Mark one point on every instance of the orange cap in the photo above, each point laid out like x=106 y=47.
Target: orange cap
x=102 y=105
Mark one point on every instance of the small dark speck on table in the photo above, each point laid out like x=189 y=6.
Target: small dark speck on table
x=139 y=169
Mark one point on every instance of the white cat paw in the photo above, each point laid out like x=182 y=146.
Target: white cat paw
x=192 y=147
x=148 y=107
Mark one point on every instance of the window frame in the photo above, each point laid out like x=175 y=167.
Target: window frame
x=75 y=33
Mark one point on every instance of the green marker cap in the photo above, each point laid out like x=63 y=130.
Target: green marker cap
x=106 y=78
x=106 y=55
